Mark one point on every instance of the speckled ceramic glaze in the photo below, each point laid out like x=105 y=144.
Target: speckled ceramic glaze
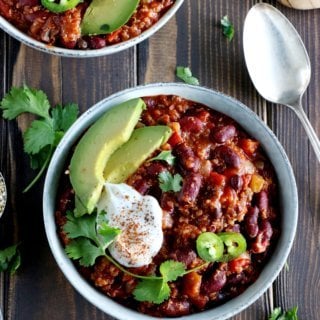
x=252 y=124
x=74 y=53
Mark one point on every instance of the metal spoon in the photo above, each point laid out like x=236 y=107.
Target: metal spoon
x=3 y=196
x=277 y=61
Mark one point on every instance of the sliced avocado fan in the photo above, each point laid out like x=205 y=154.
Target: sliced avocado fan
x=94 y=149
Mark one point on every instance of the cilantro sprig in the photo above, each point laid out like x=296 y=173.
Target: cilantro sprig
x=45 y=132
x=169 y=182
x=185 y=74
x=227 y=28
x=277 y=314
x=165 y=156
x=158 y=290
x=90 y=237
x=10 y=259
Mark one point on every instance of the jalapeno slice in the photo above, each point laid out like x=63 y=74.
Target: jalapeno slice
x=235 y=244
x=58 y=6
x=209 y=247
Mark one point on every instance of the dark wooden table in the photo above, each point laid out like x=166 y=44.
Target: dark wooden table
x=192 y=38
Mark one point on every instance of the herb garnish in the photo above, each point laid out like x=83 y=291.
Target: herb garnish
x=277 y=314
x=44 y=133
x=185 y=74
x=227 y=28
x=10 y=259
x=165 y=156
x=169 y=182
x=90 y=237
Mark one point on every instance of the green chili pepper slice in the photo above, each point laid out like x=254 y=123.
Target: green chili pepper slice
x=209 y=247
x=58 y=6
x=235 y=244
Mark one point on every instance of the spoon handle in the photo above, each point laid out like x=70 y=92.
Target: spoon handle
x=307 y=126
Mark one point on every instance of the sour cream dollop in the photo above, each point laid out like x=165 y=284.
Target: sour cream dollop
x=140 y=220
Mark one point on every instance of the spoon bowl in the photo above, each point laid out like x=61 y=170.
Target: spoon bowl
x=3 y=196
x=277 y=61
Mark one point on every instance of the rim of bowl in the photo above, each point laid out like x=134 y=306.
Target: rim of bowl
x=76 y=53
x=252 y=124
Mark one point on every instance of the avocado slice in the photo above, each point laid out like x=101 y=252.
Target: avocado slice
x=128 y=158
x=106 y=16
x=95 y=147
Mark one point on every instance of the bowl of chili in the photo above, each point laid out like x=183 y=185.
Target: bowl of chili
x=61 y=27
x=229 y=226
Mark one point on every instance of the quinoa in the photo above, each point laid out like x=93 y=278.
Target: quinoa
x=3 y=194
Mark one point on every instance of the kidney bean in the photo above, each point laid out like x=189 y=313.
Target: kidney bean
x=29 y=3
x=263 y=202
x=155 y=168
x=229 y=156
x=185 y=255
x=97 y=42
x=215 y=282
x=187 y=158
x=236 y=182
x=175 y=307
x=191 y=124
x=251 y=222
x=190 y=188
x=263 y=238
x=141 y=186
x=224 y=134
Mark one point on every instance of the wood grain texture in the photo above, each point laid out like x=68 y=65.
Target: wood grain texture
x=192 y=38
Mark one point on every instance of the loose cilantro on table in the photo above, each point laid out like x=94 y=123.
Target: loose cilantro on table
x=185 y=74
x=10 y=259
x=44 y=133
x=169 y=182
x=277 y=314
x=227 y=28
x=165 y=156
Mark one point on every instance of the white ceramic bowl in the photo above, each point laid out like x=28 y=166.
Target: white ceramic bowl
x=76 y=53
x=252 y=124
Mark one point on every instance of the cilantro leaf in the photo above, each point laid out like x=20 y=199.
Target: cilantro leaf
x=185 y=74
x=84 y=226
x=84 y=250
x=64 y=117
x=168 y=182
x=155 y=291
x=39 y=135
x=277 y=314
x=10 y=259
x=227 y=27
x=108 y=233
x=90 y=239
x=25 y=99
x=165 y=156
x=171 y=270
